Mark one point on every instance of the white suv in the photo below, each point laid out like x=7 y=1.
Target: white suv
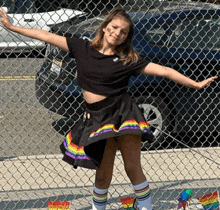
x=30 y=15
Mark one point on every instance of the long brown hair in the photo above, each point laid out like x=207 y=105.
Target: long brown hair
x=125 y=50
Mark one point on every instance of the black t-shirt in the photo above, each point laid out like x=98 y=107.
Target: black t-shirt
x=101 y=74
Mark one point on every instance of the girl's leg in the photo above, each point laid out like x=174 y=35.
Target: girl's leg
x=104 y=172
x=104 y=176
x=130 y=147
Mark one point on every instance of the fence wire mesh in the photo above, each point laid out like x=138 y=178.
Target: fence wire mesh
x=41 y=102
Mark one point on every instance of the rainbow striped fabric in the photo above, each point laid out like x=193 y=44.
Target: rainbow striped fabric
x=128 y=202
x=210 y=201
x=77 y=152
x=58 y=205
x=72 y=150
x=99 y=199
x=129 y=124
x=143 y=194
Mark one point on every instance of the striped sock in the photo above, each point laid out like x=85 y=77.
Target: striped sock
x=142 y=192
x=99 y=198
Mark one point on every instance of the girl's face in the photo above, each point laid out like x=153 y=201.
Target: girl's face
x=116 y=31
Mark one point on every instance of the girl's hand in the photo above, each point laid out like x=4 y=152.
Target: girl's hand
x=4 y=19
x=205 y=82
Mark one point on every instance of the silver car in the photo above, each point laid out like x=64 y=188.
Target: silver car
x=31 y=14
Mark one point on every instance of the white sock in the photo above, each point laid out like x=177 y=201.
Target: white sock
x=142 y=192
x=99 y=198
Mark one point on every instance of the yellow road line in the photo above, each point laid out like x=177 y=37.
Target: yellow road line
x=4 y=78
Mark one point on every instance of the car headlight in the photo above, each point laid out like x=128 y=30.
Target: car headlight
x=56 y=65
x=53 y=54
x=47 y=50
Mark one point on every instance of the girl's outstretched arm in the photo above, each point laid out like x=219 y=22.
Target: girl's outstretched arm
x=42 y=35
x=169 y=73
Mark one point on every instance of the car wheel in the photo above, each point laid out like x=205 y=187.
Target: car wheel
x=156 y=114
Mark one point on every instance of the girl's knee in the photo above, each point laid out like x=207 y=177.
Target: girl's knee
x=133 y=171
x=103 y=177
x=130 y=169
x=103 y=182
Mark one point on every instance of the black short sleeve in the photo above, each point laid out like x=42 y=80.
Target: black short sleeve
x=74 y=45
x=102 y=74
x=138 y=66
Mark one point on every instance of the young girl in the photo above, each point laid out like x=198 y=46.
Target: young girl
x=111 y=120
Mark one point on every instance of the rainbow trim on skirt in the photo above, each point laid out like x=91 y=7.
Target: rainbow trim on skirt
x=72 y=150
x=129 y=124
x=77 y=152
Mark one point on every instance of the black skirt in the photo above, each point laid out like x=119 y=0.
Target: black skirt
x=114 y=116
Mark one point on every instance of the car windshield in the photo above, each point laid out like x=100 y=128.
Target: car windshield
x=197 y=34
x=28 y=6
x=202 y=34
x=154 y=35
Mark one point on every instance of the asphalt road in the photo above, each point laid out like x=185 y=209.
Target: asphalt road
x=19 y=66
x=26 y=126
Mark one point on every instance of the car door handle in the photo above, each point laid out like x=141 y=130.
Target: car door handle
x=29 y=20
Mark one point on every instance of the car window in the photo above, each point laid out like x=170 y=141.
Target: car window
x=27 y=6
x=154 y=35
x=19 y=6
x=196 y=34
x=46 y=6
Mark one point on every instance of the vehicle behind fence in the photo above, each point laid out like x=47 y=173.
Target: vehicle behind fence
x=41 y=101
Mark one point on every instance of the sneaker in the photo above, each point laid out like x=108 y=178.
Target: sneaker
x=135 y=204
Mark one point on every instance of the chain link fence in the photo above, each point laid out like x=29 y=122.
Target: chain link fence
x=40 y=102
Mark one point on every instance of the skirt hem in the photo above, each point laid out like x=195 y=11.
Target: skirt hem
x=85 y=144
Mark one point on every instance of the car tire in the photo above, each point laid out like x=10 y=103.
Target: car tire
x=156 y=114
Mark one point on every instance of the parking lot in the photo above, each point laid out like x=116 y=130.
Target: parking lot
x=35 y=153
x=22 y=116
x=41 y=101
